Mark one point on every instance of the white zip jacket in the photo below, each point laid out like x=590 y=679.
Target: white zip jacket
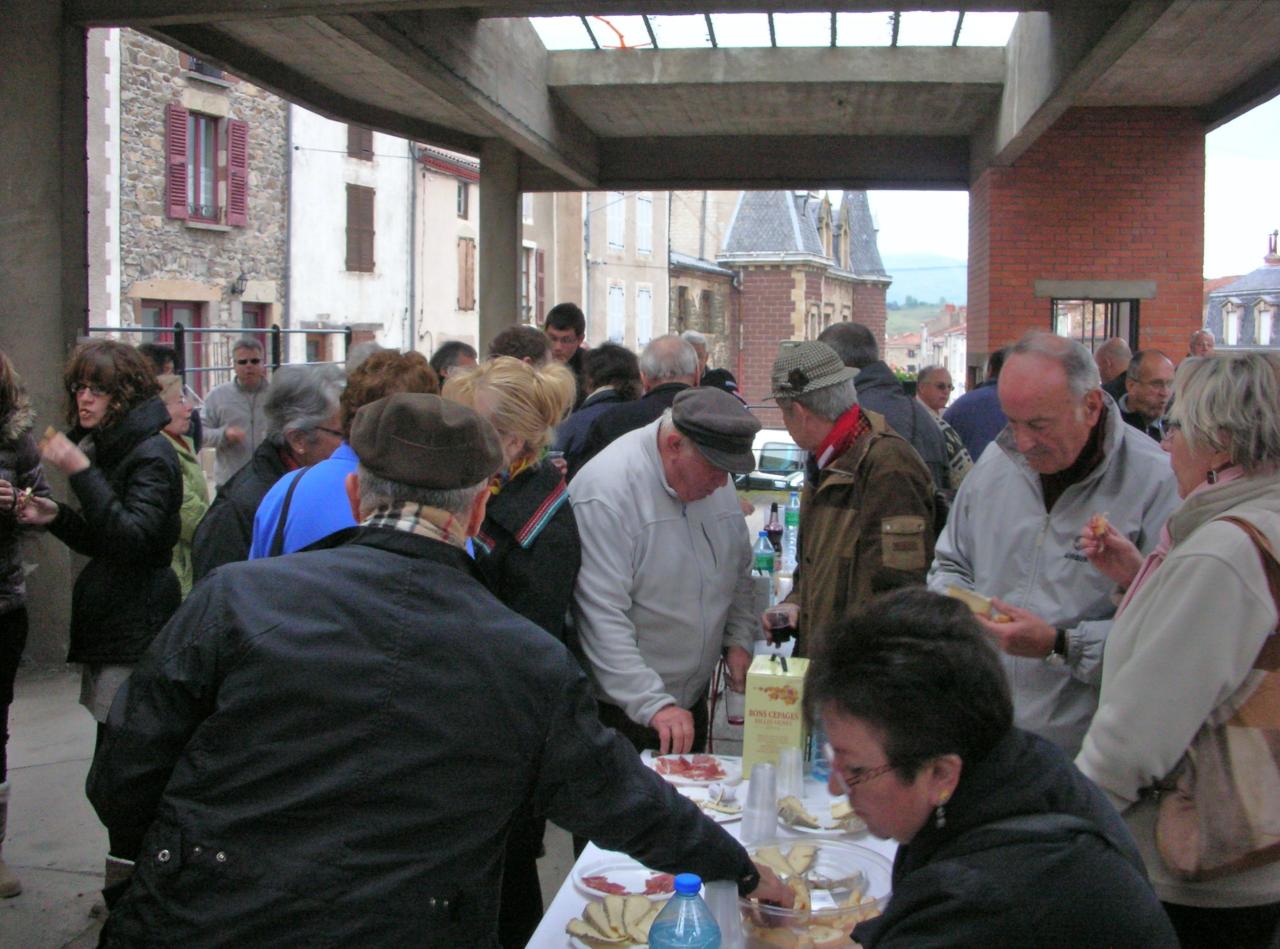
x=1000 y=541
x=664 y=586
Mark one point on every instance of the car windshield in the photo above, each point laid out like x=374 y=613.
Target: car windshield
x=781 y=457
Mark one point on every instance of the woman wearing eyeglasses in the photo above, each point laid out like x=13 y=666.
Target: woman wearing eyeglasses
x=1003 y=843
x=128 y=486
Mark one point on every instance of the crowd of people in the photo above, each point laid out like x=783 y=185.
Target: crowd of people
x=435 y=603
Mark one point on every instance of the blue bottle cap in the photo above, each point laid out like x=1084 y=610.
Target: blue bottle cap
x=688 y=883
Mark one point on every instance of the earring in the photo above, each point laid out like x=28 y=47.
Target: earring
x=940 y=813
x=1211 y=476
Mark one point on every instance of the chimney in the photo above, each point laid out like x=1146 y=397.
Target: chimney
x=1273 y=258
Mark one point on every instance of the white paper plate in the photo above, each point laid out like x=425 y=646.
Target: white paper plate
x=732 y=768
x=818 y=803
x=626 y=873
x=700 y=794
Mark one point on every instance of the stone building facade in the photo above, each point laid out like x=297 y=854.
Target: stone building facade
x=200 y=215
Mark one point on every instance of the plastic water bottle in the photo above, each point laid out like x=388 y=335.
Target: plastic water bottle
x=819 y=767
x=790 y=532
x=686 y=921
x=764 y=556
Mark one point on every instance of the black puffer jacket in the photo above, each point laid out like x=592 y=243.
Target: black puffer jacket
x=20 y=466
x=527 y=551
x=129 y=519
x=328 y=749
x=976 y=882
x=225 y=533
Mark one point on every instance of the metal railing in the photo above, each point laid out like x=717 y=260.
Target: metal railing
x=273 y=343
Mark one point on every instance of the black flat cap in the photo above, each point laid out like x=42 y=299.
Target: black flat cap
x=719 y=425
x=426 y=441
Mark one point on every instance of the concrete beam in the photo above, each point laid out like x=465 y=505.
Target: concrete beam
x=500 y=233
x=1052 y=58
x=494 y=69
x=1262 y=86
x=825 y=161
x=215 y=46
x=954 y=66
x=139 y=13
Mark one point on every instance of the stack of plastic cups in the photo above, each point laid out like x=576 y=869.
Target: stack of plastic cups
x=760 y=816
x=722 y=898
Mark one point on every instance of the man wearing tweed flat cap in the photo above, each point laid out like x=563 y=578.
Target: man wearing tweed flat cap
x=866 y=513
x=665 y=583
x=335 y=743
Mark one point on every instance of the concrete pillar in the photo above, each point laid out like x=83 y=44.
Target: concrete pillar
x=43 y=268
x=499 y=239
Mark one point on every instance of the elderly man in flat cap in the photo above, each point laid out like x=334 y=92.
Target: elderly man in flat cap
x=665 y=583
x=329 y=747
x=866 y=514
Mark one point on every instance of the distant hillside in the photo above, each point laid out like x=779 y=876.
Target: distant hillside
x=908 y=320
x=927 y=277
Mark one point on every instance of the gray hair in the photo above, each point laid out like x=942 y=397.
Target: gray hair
x=828 y=403
x=695 y=339
x=377 y=491
x=1231 y=403
x=668 y=357
x=1134 y=371
x=927 y=371
x=1076 y=361
x=248 y=342
x=854 y=344
x=302 y=398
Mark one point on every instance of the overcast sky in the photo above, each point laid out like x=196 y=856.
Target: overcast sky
x=1242 y=202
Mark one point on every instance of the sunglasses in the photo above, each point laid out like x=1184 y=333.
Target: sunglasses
x=79 y=387
x=248 y=362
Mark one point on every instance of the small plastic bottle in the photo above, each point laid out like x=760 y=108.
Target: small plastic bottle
x=764 y=557
x=790 y=532
x=819 y=767
x=686 y=921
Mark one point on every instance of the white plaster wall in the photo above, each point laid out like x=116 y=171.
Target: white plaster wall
x=321 y=289
x=103 y=154
x=439 y=229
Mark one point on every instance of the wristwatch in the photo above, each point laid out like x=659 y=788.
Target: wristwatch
x=1058 y=655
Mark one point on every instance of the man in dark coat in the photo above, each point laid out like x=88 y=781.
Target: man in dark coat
x=1148 y=389
x=977 y=415
x=613 y=377
x=305 y=427
x=668 y=366
x=880 y=391
x=333 y=744
x=566 y=328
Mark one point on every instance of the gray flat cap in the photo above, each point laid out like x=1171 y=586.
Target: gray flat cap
x=719 y=425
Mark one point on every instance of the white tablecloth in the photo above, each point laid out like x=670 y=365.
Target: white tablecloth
x=569 y=903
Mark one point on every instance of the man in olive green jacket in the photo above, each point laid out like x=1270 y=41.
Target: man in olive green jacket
x=866 y=514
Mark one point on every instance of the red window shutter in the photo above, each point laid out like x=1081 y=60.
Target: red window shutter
x=541 y=288
x=237 y=173
x=176 y=150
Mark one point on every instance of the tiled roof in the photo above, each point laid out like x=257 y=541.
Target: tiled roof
x=1262 y=280
x=783 y=222
x=864 y=253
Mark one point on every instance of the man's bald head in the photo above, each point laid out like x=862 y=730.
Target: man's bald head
x=1112 y=358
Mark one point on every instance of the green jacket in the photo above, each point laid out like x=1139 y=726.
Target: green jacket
x=866 y=526
x=195 y=501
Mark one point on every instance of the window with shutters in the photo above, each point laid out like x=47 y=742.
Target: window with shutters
x=360 y=229
x=644 y=315
x=617 y=220
x=617 y=316
x=207 y=168
x=464 y=200
x=360 y=142
x=466 y=273
x=644 y=223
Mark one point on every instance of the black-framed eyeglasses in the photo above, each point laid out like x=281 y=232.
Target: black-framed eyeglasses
x=79 y=387
x=943 y=385
x=249 y=362
x=330 y=431
x=852 y=777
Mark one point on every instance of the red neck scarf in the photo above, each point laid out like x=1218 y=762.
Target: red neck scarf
x=847 y=428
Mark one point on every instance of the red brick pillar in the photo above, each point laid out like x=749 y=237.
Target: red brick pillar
x=1104 y=195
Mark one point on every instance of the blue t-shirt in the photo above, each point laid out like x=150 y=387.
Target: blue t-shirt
x=319 y=506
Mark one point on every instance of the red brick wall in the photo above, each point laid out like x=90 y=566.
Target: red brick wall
x=766 y=309
x=869 y=308
x=1105 y=194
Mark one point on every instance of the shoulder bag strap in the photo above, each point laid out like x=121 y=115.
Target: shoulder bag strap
x=1269 y=656
x=277 y=539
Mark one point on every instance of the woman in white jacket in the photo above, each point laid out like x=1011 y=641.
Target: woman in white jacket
x=1193 y=620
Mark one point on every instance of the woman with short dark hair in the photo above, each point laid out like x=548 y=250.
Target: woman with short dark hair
x=126 y=478
x=1003 y=842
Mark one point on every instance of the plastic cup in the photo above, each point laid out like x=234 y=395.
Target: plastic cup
x=735 y=706
x=790 y=773
x=760 y=816
x=721 y=897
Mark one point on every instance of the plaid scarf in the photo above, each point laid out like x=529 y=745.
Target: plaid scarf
x=421 y=520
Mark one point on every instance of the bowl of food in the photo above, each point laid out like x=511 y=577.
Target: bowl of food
x=837 y=885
